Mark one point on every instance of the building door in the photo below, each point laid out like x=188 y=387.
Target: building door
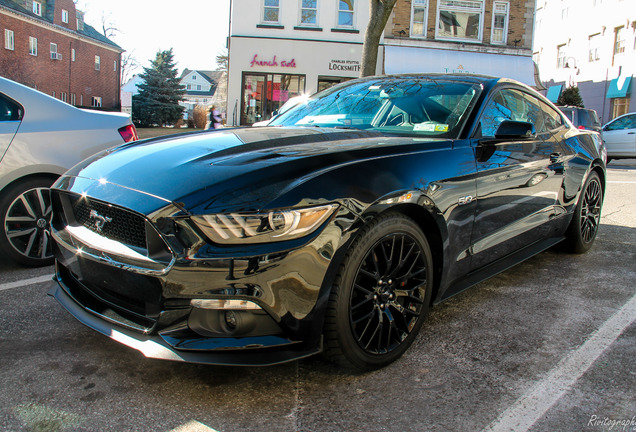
x=253 y=98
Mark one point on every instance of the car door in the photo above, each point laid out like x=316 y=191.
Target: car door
x=10 y=119
x=620 y=136
x=518 y=178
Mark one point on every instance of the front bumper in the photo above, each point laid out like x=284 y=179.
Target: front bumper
x=154 y=346
x=145 y=302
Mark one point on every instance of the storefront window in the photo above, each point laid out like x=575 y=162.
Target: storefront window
x=620 y=106
x=324 y=82
x=460 y=20
x=265 y=93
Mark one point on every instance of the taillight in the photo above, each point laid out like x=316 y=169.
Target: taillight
x=128 y=133
x=581 y=127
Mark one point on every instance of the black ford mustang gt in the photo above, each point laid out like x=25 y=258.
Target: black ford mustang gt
x=333 y=229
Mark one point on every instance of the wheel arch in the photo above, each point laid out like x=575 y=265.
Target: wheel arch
x=52 y=176
x=431 y=230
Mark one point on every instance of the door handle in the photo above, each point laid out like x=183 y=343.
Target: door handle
x=631 y=133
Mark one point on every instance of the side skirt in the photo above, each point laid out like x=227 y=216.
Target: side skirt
x=498 y=266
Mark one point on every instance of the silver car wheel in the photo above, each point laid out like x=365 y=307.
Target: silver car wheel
x=27 y=224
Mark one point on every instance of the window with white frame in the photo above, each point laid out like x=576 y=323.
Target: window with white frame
x=199 y=87
x=419 y=18
x=9 y=40
x=309 y=12
x=73 y=98
x=33 y=46
x=194 y=77
x=37 y=8
x=594 y=43
x=53 y=51
x=460 y=20
x=271 y=11
x=345 y=13
x=115 y=66
x=619 y=44
x=188 y=86
x=98 y=63
x=500 y=23
x=63 y=96
x=65 y=16
x=72 y=54
x=561 y=57
x=96 y=101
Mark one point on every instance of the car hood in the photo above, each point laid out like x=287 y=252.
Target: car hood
x=225 y=170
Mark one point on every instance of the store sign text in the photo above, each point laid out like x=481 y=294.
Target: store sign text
x=344 y=65
x=272 y=63
x=459 y=69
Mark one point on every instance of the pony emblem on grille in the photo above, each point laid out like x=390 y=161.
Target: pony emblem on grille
x=100 y=220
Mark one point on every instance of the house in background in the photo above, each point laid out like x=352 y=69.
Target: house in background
x=202 y=88
x=47 y=45
x=128 y=90
x=489 y=37
x=591 y=45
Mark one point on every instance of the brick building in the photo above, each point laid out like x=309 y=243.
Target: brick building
x=492 y=37
x=46 y=45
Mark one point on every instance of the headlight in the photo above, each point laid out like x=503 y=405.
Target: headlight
x=268 y=227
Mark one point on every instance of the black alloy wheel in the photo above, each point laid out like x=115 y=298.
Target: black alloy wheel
x=381 y=295
x=26 y=220
x=587 y=216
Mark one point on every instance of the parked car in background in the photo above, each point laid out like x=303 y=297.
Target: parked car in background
x=582 y=118
x=620 y=137
x=40 y=138
x=334 y=228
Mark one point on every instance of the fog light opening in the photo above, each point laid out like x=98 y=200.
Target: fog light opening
x=231 y=320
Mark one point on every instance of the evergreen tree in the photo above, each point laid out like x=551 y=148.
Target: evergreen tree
x=571 y=97
x=159 y=94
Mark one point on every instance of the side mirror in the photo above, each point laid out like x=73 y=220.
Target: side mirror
x=509 y=129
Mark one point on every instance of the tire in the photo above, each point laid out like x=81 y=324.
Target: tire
x=380 y=296
x=25 y=212
x=587 y=216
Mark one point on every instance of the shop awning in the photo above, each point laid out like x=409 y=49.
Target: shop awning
x=619 y=87
x=401 y=59
x=553 y=93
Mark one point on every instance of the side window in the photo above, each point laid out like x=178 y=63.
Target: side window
x=553 y=119
x=9 y=110
x=627 y=122
x=513 y=105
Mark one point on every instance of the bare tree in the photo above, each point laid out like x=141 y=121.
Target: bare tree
x=109 y=29
x=222 y=61
x=380 y=13
x=129 y=65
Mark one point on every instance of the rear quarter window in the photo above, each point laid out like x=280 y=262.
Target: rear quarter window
x=9 y=110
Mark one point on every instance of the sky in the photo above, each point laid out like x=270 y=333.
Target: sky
x=196 y=30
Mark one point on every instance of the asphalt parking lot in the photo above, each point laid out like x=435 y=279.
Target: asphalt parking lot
x=548 y=345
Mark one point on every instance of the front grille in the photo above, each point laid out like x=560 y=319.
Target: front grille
x=118 y=224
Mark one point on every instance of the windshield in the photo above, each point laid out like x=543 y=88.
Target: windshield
x=411 y=106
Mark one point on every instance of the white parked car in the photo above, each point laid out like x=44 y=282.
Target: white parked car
x=620 y=137
x=40 y=139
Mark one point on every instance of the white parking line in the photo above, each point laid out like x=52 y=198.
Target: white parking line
x=26 y=282
x=531 y=407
